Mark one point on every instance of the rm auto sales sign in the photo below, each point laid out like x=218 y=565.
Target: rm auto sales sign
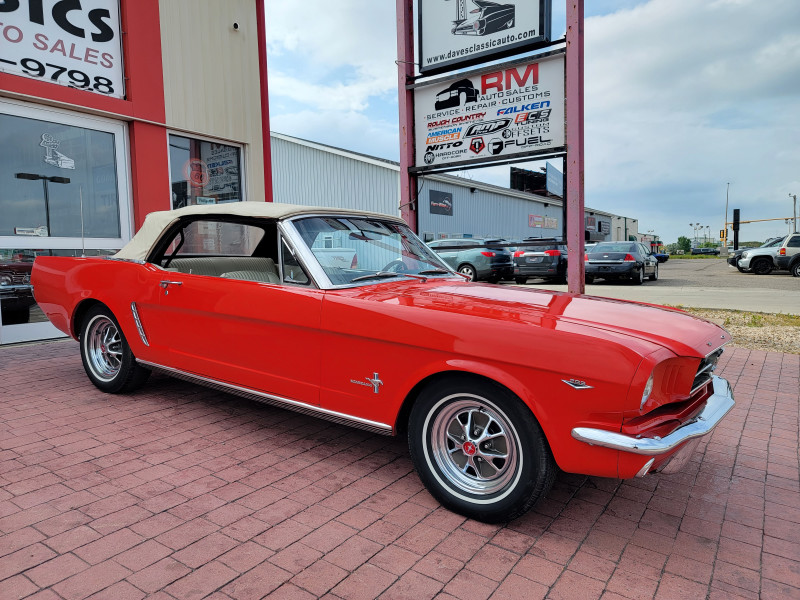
x=491 y=115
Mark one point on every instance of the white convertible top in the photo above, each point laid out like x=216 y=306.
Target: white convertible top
x=156 y=222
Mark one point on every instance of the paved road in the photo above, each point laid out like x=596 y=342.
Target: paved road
x=707 y=283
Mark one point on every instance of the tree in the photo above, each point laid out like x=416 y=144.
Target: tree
x=685 y=244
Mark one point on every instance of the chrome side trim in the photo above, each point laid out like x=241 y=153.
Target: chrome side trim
x=717 y=406
x=279 y=401
x=138 y=321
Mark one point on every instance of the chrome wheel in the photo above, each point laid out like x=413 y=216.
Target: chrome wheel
x=103 y=347
x=474 y=445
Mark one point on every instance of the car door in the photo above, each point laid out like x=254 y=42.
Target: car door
x=253 y=334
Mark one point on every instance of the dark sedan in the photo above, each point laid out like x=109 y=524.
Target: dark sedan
x=631 y=261
x=546 y=259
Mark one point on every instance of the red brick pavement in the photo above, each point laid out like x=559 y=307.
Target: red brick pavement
x=183 y=492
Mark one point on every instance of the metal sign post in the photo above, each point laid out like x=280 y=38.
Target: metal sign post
x=405 y=76
x=575 y=163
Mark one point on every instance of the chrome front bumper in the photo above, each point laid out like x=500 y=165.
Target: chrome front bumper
x=717 y=406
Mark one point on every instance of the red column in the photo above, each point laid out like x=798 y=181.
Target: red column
x=574 y=161
x=405 y=74
x=262 y=70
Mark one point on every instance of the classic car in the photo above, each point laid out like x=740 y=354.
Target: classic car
x=16 y=297
x=490 y=17
x=630 y=261
x=495 y=387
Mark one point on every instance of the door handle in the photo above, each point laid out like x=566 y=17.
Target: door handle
x=165 y=284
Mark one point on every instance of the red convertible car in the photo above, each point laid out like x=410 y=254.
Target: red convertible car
x=349 y=316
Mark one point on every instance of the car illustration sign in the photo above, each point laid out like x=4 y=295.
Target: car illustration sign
x=459 y=33
x=491 y=115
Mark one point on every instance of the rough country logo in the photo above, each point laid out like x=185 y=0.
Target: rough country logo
x=489 y=17
x=487 y=127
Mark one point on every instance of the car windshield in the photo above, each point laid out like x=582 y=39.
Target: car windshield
x=773 y=243
x=351 y=249
x=613 y=248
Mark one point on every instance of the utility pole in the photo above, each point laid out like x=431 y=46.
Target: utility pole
x=794 y=212
x=724 y=246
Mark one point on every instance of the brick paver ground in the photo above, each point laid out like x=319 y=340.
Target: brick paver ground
x=183 y=492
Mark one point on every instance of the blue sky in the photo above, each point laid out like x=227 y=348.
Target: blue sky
x=682 y=97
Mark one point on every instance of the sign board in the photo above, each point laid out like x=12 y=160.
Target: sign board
x=491 y=115
x=441 y=203
x=76 y=44
x=554 y=180
x=458 y=33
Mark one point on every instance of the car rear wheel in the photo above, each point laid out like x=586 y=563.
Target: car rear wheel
x=467 y=270
x=106 y=355
x=761 y=266
x=654 y=276
x=479 y=450
x=638 y=277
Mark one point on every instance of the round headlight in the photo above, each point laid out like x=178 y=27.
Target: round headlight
x=5 y=280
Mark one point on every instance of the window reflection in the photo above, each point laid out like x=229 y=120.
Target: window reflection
x=47 y=171
x=203 y=172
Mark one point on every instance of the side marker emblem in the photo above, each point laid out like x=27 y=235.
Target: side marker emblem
x=578 y=385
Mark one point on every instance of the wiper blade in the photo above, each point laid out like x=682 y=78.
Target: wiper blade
x=433 y=272
x=378 y=275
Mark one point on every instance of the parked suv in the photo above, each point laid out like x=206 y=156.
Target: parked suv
x=736 y=255
x=788 y=255
x=477 y=258
x=544 y=258
x=760 y=261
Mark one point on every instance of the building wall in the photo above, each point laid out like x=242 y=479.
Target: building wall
x=312 y=176
x=211 y=76
x=482 y=213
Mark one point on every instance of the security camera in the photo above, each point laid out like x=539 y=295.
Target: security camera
x=235 y=26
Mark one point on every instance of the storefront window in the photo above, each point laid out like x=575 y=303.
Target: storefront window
x=204 y=172
x=57 y=180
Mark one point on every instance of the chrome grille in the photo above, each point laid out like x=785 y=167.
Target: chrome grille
x=707 y=366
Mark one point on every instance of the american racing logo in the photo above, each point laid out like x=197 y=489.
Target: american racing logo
x=487 y=127
x=524 y=108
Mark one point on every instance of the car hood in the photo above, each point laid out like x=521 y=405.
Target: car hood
x=678 y=331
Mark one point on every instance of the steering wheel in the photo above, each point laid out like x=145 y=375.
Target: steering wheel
x=396 y=266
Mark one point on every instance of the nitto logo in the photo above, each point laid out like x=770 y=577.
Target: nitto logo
x=487 y=127
x=435 y=147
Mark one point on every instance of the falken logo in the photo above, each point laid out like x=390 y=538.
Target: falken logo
x=375 y=382
x=524 y=108
x=487 y=127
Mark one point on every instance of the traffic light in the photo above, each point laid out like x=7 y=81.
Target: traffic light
x=723 y=234
x=736 y=219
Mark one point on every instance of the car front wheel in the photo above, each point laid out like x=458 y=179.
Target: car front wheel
x=761 y=266
x=479 y=450
x=106 y=355
x=796 y=269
